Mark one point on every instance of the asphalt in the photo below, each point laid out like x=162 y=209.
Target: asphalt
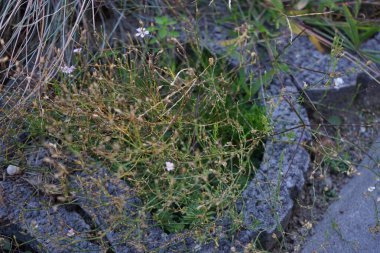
x=352 y=224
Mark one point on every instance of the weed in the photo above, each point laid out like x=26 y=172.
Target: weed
x=180 y=136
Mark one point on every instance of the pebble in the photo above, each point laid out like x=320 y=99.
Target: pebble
x=13 y=170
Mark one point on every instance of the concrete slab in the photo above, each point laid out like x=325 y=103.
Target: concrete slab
x=352 y=224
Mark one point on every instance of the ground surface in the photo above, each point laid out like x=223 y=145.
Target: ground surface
x=350 y=137
x=351 y=224
x=324 y=186
x=353 y=136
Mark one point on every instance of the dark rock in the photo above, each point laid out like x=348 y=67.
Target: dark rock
x=368 y=92
x=357 y=92
x=32 y=218
x=313 y=68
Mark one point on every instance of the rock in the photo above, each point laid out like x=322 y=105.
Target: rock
x=33 y=219
x=351 y=90
x=368 y=92
x=280 y=178
x=351 y=224
x=13 y=170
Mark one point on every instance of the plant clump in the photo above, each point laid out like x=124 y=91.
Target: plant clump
x=175 y=128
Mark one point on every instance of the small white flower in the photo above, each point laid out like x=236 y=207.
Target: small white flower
x=67 y=70
x=169 y=166
x=371 y=188
x=70 y=233
x=338 y=82
x=77 y=50
x=141 y=32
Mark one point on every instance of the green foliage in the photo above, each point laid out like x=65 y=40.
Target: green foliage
x=335 y=120
x=337 y=165
x=196 y=114
x=164 y=28
x=343 y=21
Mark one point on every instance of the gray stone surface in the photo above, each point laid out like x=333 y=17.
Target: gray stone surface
x=32 y=217
x=372 y=46
x=313 y=68
x=268 y=199
x=368 y=92
x=358 y=90
x=115 y=209
x=352 y=224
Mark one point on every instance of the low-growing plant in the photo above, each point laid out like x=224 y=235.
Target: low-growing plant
x=181 y=136
x=164 y=28
x=342 y=19
x=337 y=165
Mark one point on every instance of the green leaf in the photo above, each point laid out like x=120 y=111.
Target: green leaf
x=353 y=32
x=174 y=34
x=162 y=20
x=356 y=8
x=267 y=78
x=165 y=21
x=283 y=67
x=278 y=5
x=162 y=33
x=335 y=120
x=152 y=29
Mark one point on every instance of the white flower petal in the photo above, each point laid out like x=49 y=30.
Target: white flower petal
x=371 y=188
x=169 y=166
x=141 y=32
x=67 y=70
x=77 y=50
x=70 y=233
x=338 y=82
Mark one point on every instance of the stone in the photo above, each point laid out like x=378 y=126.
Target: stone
x=13 y=170
x=351 y=224
x=356 y=90
x=32 y=218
